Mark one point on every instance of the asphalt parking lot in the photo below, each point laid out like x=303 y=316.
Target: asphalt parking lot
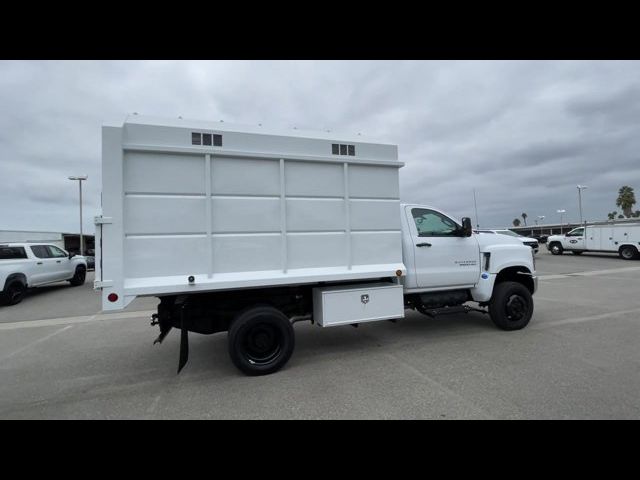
x=578 y=358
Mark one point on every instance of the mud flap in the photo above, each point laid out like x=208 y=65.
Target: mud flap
x=184 y=341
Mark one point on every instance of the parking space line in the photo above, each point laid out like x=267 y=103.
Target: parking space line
x=49 y=322
x=29 y=345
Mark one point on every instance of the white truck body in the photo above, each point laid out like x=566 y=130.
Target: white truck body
x=210 y=217
x=262 y=209
x=621 y=238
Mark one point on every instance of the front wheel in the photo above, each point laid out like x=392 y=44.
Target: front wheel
x=261 y=340
x=555 y=249
x=78 y=277
x=511 y=306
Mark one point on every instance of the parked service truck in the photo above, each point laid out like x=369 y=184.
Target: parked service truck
x=620 y=238
x=248 y=230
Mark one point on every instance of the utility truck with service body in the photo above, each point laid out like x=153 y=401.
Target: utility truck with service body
x=620 y=238
x=249 y=230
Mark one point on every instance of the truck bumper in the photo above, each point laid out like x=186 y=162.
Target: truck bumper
x=535 y=283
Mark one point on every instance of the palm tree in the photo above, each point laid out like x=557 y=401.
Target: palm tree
x=516 y=222
x=626 y=200
x=524 y=217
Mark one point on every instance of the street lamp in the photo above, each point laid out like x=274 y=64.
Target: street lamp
x=580 y=188
x=541 y=217
x=80 y=178
x=561 y=212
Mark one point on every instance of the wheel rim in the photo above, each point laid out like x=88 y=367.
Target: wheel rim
x=263 y=344
x=627 y=253
x=516 y=308
x=15 y=292
x=80 y=275
x=555 y=249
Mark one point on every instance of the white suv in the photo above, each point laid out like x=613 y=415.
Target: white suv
x=530 y=242
x=24 y=265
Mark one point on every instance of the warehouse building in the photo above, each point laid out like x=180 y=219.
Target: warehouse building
x=69 y=241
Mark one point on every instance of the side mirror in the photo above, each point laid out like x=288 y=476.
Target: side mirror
x=467 y=230
x=71 y=255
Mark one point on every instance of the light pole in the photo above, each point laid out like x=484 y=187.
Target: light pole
x=561 y=212
x=80 y=178
x=541 y=217
x=580 y=188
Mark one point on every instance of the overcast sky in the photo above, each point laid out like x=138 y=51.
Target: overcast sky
x=522 y=133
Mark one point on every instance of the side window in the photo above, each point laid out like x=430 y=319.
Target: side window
x=433 y=224
x=576 y=233
x=40 y=251
x=56 y=252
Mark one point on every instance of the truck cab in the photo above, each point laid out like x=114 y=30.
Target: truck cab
x=448 y=265
x=573 y=241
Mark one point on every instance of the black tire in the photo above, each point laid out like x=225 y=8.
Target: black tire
x=576 y=252
x=78 y=277
x=261 y=340
x=13 y=294
x=511 y=306
x=628 y=252
x=556 y=249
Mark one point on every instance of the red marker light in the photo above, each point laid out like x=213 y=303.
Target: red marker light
x=113 y=297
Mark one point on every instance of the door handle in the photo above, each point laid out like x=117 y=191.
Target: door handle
x=57 y=261
x=39 y=263
x=425 y=244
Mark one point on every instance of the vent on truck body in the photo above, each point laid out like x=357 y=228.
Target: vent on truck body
x=206 y=139
x=341 y=149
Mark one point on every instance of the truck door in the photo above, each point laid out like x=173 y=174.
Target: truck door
x=45 y=267
x=63 y=265
x=442 y=257
x=574 y=240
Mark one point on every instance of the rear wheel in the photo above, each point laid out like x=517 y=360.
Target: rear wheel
x=511 y=306
x=555 y=248
x=13 y=294
x=261 y=340
x=78 y=277
x=628 y=252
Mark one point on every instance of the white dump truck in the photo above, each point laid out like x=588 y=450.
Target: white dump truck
x=620 y=238
x=249 y=230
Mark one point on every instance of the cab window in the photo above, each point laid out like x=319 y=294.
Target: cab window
x=55 y=252
x=433 y=224
x=578 y=232
x=40 y=251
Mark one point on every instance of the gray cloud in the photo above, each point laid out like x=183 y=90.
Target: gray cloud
x=521 y=133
